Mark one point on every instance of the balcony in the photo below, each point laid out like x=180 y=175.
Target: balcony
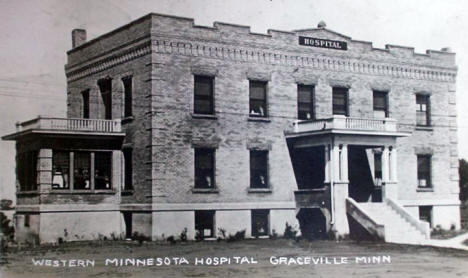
x=67 y=126
x=344 y=125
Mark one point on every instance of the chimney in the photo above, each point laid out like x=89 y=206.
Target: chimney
x=78 y=37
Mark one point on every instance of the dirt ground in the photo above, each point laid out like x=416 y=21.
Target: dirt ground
x=319 y=258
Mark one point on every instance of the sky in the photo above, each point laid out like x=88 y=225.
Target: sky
x=35 y=35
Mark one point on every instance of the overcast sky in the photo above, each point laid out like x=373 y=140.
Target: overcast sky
x=35 y=35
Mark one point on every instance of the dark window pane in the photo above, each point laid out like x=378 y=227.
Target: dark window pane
x=257 y=99
x=424 y=171
x=128 y=157
x=340 y=101
x=425 y=214
x=204 y=168
x=259 y=169
x=128 y=95
x=60 y=170
x=260 y=222
x=27 y=171
x=82 y=171
x=305 y=102
x=105 y=86
x=203 y=95
x=204 y=223
x=380 y=104
x=102 y=170
x=85 y=96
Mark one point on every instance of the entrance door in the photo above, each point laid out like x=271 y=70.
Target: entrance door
x=363 y=174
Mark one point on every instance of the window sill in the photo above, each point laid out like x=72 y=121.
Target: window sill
x=204 y=116
x=424 y=127
x=259 y=190
x=24 y=193
x=423 y=189
x=258 y=119
x=127 y=192
x=311 y=190
x=82 y=191
x=128 y=119
x=205 y=190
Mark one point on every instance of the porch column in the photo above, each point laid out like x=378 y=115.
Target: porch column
x=327 y=164
x=340 y=190
x=344 y=163
x=385 y=168
x=393 y=165
x=335 y=160
x=44 y=170
x=390 y=188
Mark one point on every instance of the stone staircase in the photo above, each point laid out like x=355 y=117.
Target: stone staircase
x=389 y=221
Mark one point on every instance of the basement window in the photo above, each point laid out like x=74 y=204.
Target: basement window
x=424 y=171
x=260 y=222
x=258 y=169
x=305 y=105
x=204 y=168
x=203 y=95
x=257 y=99
x=204 y=223
x=425 y=214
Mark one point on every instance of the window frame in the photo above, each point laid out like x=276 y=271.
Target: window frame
x=419 y=109
x=340 y=90
x=256 y=214
x=383 y=94
x=428 y=180
x=85 y=109
x=105 y=89
x=127 y=84
x=201 y=97
x=254 y=183
x=264 y=101
x=197 y=224
x=311 y=105
x=198 y=151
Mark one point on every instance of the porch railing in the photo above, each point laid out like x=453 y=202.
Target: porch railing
x=346 y=123
x=71 y=124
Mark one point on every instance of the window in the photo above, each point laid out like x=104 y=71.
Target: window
x=378 y=169
x=425 y=214
x=128 y=95
x=85 y=96
x=305 y=105
x=422 y=110
x=257 y=99
x=27 y=220
x=203 y=95
x=340 y=101
x=102 y=170
x=82 y=169
x=204 y=168
x=424 y=171
x=204 y=223
x=105 y=86
x=128 y=160
x=260 y=222
x=27 y=171
x=258 y=169
x=380 y=104
x=60 y=170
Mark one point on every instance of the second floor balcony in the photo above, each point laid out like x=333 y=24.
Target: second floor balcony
x=344 y=125
x=67 y=126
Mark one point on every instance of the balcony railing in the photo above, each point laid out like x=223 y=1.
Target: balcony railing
x=69 y=124
x=339 y=122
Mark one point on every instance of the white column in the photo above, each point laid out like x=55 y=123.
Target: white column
x=385 y=168
x=393 y=165
x=344 y=163
x=327 y=164
x=336 y=163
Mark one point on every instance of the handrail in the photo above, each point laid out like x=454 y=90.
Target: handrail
x=379 y=228
x=421 y=226
x=346 y=123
